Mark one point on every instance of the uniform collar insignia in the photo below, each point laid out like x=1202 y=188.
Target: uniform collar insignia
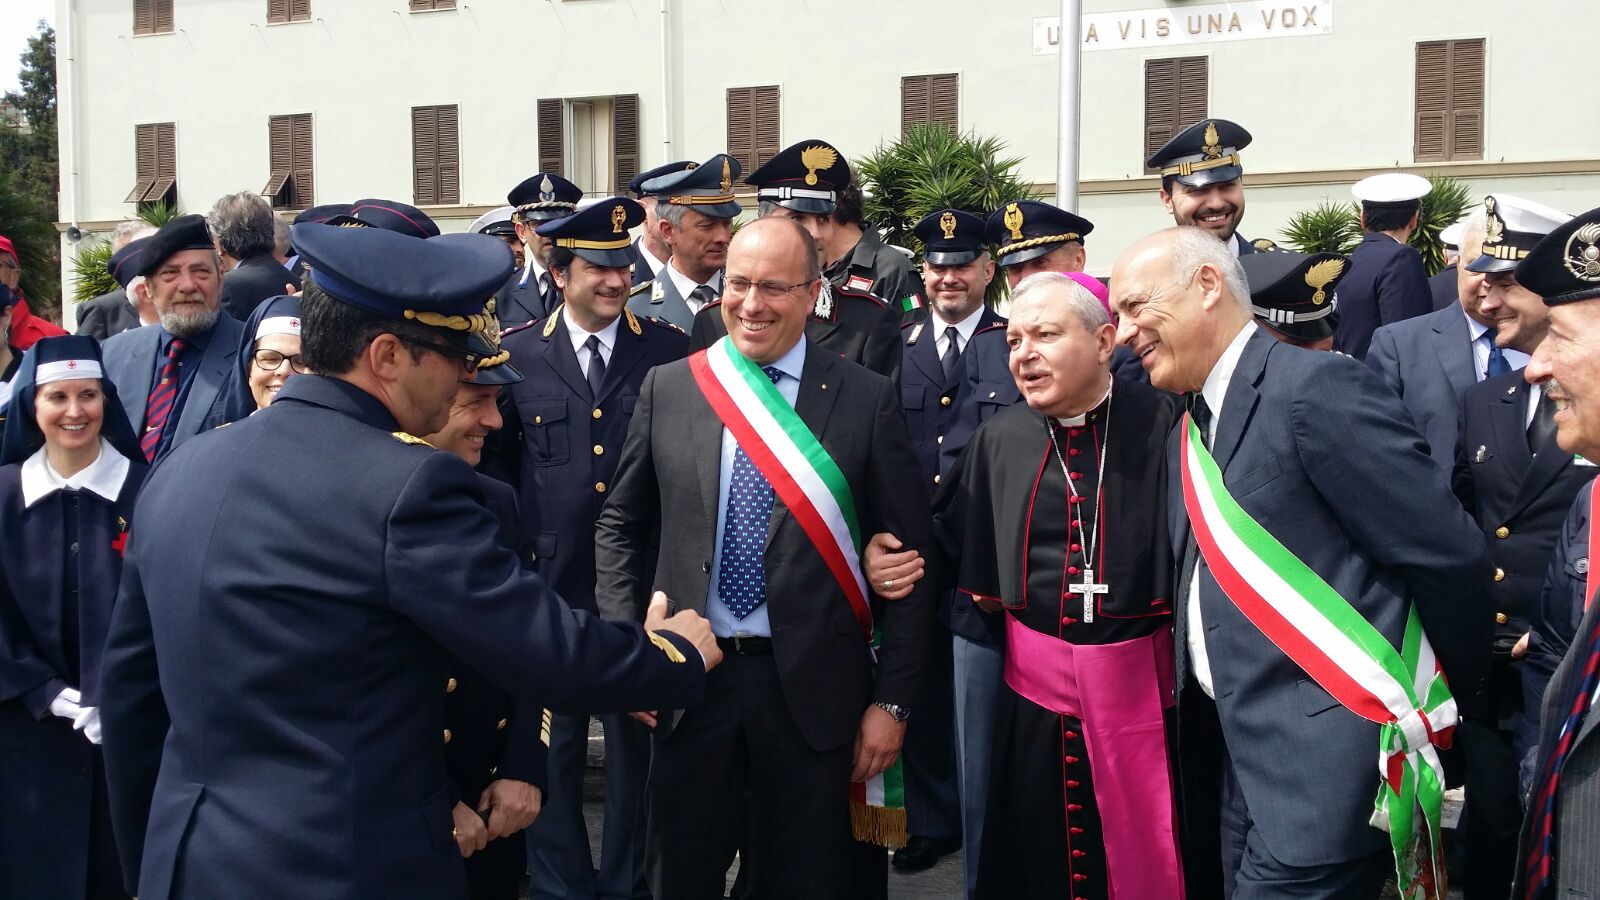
x=825 y=303
x=633 y=321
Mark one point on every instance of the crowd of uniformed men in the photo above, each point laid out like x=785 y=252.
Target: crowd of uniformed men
x=321 y=546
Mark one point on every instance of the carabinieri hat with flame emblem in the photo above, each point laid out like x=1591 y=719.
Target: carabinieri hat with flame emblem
x=1205 y=153
x=1293 y=293
x=805 y=177
x=1029 y=229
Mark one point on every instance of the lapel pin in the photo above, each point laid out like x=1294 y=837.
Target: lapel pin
x=1481 y=455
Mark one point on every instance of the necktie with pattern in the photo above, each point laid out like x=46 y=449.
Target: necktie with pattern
x=1542 y=806
x=742 y=577
x=597 y=366
x=162 y=397
x=702 y=294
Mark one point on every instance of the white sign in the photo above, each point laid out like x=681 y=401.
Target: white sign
x=1180 y=26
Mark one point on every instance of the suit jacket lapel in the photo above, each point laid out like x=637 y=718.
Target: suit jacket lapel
x=564 y=360
x=208 y=380
x=1547 y=464
x=1240 y=403
x=924 y=354
x=705 y=442
x=814 y=404
x=143 y=366
x=1454 y=346
x=1510 y=429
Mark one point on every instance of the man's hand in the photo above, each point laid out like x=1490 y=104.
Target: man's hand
x=891 y=575
x=687 y=624
x=647 y=716
x=877 y=743
x=469 y=832
x=513 y=806
x=1520 y=648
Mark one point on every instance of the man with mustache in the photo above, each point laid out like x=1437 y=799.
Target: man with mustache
x=564 y=427
x=532 y=293
x=1518 y=484
x=1202 y=181
x=1558 y=854
x=170 y=376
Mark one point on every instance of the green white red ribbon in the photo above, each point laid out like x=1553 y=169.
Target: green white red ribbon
x=1404 y=692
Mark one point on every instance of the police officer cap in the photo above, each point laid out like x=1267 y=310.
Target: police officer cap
x=1391 y=187
x=124 y=264
x=706 y=188
x=543 y=196
x=1028 y=229
x=496 y=222
x=1511 y=228
x=323 y=213
x=1205 y=153
x=950 y=237
x=495 y=368
x=805 y=177
x=183 y=233
x=636 y=184
x=599 y=233
x=442 y=282
x=1293 y=292
x=1565 y=266
x=389 y=215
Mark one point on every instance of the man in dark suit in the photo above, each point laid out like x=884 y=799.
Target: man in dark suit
x=1431 y=360
x=1558 y=856
x=1202 y=181
x=274 y=724
x=113 y=312
x=565 y=425
x=1386 y=282
x=170 y=376
x=242 y=226
x=801 y=711
x=1380 y=527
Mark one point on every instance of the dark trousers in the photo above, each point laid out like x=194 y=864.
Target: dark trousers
x=741 y=737
x=559 y=857
x=1493 y=809
x=933 y=795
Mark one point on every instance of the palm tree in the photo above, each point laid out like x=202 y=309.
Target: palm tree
x=89 y=274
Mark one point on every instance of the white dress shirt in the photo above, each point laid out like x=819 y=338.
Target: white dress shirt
x=1213 y=392
x=649 y=261
x=686 y=285
x=579 y=337
x=104 y=476
x=1516 y=359
x=964 y=330
x=532 y=270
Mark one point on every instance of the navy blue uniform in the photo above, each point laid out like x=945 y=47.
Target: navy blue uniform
x=294 y=589
x=1386 y=284
x=1555 y=620
x=60 y=561
x=563 y=444
x=859 y=327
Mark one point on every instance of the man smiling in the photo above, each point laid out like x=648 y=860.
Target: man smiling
x=1202 y=180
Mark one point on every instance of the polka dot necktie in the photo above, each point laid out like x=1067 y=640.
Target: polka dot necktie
x=742 y=578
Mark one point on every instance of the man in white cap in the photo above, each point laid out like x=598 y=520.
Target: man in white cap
x=1442 y=284
x=1386 y=282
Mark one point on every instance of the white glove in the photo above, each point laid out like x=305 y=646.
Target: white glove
x=66 y=705
x=88 y=722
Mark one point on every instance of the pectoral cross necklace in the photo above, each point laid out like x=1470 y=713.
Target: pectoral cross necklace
x=1088 y=589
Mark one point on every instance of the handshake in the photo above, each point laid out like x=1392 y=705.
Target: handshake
x=686 y=624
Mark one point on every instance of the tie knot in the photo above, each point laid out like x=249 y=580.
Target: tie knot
x=177 y=346
x=773 y=372
x=1199 y=410
x=592 y=344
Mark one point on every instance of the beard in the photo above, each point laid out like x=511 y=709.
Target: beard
x=179 y=325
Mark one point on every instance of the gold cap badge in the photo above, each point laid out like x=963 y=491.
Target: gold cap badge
x=1494 y=228
x=947 y=224
x=1013 y=221
x=1582 y=256
x=1213 y=144
x=618 y=216
x=818 y=157
x=727 y=175
x=1319 y=276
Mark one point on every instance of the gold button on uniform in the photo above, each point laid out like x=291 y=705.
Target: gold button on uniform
x=538 y=420
x=599 y=487
x=450 y=686
x=944 y=401
x=597 y=414
x=500 y=725
x=598 y=450
x=935 y=479
x=447 y=735
x=1502 y=532
x=1499 y=574
x=1500 y=618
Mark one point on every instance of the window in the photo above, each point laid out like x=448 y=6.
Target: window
x=930 y=100
x=281 y=11
x=156 y=164
x=1174 y=99
x=435 y=156
x=1449 y=101
x=290 y=184
x=753 y=125
x=428 y=5
x=152 y=16
x=591 y=141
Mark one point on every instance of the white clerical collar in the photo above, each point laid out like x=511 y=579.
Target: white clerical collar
x=686 y=285
x=1216 y=386
x=649 y=260
x=964 y=328
x=1079 y=420
x=579 y=337
x=103 y=477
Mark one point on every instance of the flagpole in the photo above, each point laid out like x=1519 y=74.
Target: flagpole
x=1067 y=155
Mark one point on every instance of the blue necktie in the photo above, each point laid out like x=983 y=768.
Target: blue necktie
x=742 y=577
x=1497 y=360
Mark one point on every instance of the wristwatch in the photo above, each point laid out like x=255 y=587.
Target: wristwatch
x=899 y=712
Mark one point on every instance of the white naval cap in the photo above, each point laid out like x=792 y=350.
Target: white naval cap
x=493 y=216
x=1391 y=187
x=1512 y=226
x=1450 y=235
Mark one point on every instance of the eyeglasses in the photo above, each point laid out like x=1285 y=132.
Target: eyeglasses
x=468 y=359
x=770 y=290
x=272 y=361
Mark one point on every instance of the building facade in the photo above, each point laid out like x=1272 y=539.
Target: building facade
x=449 y=103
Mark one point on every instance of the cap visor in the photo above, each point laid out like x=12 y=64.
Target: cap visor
x=504 y=373
x=612 y=259
x=1314 y=330
x=1210 y=176
x=543 y=215
x=952 y=257
x=1487 y=264
x=1022 y=256
x=809 y=205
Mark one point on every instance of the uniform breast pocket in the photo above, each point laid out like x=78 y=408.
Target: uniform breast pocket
x=993 y=396
x=911 y=397
x=545 y=425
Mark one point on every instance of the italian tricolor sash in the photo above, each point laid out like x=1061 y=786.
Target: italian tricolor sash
x=1403 y=691
x=815 y=492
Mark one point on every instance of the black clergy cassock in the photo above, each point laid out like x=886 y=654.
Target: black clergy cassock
x=60 y=561
x=1008 y=526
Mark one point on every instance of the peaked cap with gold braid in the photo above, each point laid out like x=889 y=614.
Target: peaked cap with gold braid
x=599 y=232
x=1029 y=229
x=1204 y=153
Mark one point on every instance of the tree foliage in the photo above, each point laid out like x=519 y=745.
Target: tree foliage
x=29 y=175
x=89 y=273
x=1448 y=200
x=1336 y=227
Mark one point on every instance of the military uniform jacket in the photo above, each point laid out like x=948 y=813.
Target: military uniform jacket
x=1386 y=283
x=565 y=443
x=1519 y=499
x=859 y=327
x=876 y=268
x=658 y=298
x=518 y=304
x=293 y=592
x=940 y=415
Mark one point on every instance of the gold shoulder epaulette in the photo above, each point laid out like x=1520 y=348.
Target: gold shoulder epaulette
x=550 y=324
x=1264 y=244
x=633 y=321
x=655 y=320
x=405 y=438
x=640 y=287
x=667 y=647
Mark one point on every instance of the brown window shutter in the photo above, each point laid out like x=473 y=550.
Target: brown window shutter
x=449 y=149
x=1161 y=104
x=944 y=101
x=624 y=140
x=914 y=91
x=144 y=16
x=299 y=10
x=741 y=127
x=764 y=117
x=144 y=162
x=163 y=16
x=551 y=136
x=424 y=155
x=280 y=160
x=426 y=5
x=1466 y=99
x=1193 y=77
x=1432 y=102
x=277 y=11
x=302 y=178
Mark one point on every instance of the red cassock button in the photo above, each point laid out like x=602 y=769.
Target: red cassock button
x=1074 y=432
x=1067 y=620
x=1071 y=735
x=1072 y=784
x=1076 y=547
x=1079 y=876
x=1074 y=807
x=1077 y=523
x=1076 y=830
x=1076 y=475
x=1078 y=854
x=1072 y=760
x=1073 y=451
x=1072 y=570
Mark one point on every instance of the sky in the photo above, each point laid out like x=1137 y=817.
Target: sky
x=19 y=20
